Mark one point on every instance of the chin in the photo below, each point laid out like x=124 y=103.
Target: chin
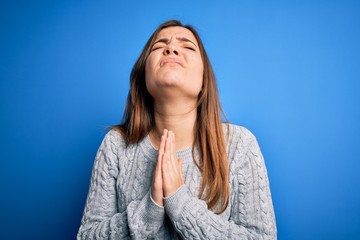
x=170 y=79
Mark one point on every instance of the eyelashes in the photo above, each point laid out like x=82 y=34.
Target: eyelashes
x=159 y=47
x=190 y=48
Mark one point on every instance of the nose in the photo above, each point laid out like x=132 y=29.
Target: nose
x=170 y=49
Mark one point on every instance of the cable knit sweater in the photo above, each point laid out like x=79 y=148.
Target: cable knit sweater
x=119 y=203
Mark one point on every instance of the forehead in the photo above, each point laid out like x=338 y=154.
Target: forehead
x=170 y=32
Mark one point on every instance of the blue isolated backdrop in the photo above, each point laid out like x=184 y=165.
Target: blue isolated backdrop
x=287 y=70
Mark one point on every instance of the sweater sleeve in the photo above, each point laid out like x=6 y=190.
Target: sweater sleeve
x=251 y=213
x=101 y=218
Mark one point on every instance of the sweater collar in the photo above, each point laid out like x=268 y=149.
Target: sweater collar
x=152 y=153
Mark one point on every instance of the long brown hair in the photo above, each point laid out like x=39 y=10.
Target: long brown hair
x=138 y=121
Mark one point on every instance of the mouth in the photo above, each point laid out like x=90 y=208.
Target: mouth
x=170 y=61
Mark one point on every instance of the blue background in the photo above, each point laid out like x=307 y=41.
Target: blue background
x=287 y=70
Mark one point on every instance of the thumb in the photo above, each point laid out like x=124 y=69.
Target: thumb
x=180 y=164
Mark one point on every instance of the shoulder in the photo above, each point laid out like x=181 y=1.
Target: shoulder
x=113 y=142
x=241 y=142
x=238 y=135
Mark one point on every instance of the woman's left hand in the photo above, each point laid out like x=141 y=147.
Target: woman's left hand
x=170 y=165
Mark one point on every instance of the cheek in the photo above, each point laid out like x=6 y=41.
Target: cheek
x=148 y=67
x=201 y=75
x=199 y=70
x=149 y=70
x=196 y=74
x=149 y=75
x=198 y=64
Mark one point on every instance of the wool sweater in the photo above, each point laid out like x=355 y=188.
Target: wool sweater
x=119 y=203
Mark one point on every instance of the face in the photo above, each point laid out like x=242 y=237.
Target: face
x=174 y=65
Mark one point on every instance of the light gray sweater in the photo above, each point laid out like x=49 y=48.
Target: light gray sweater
x=119 y=204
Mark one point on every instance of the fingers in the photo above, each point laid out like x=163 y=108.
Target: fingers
x=171 y=166
x=162 y=143
x=173 y=149
x=169 y=153
x=167 y=145
x=157 y=187
x=180 y=164
x=158 y=172
x=170 y=150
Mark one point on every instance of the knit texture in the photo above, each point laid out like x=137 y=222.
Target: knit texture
x=119 y=205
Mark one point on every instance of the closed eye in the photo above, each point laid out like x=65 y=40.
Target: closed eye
x=190 y=48
x=157 y=46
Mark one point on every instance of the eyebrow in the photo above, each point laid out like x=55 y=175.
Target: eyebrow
x=181 y=39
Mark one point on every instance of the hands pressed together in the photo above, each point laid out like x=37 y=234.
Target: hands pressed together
x=167 y=176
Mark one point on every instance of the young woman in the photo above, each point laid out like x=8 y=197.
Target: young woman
x=172 y=169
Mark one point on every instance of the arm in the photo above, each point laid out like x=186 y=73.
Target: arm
x=101 y=218
x=251 y=216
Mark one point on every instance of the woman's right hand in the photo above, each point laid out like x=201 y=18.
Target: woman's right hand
x=157 y=193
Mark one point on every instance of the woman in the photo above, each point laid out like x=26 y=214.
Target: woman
x=172 y=169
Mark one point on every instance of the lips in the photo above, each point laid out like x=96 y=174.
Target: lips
x=170 y=61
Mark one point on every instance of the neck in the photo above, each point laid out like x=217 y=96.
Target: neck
x=177 y=117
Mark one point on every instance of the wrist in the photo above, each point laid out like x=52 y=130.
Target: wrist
x=158 y=203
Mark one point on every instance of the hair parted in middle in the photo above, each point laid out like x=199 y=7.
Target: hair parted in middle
x=138 y=120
